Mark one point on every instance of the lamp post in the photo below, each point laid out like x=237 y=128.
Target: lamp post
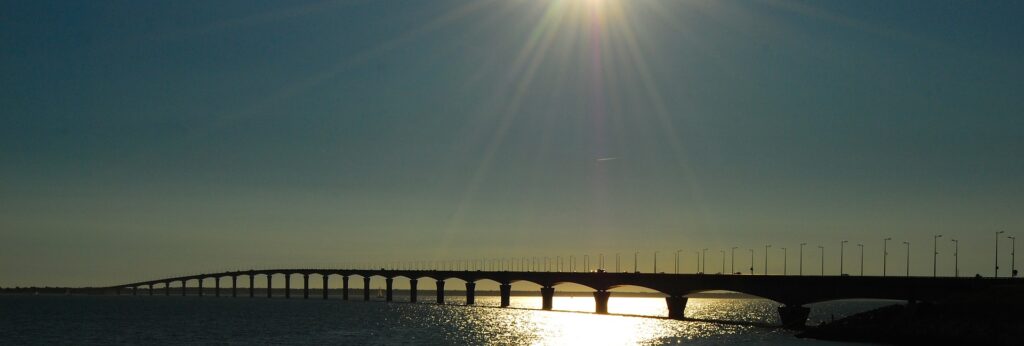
x=766 y=246
x=655 y=262
x=802 y=258
x=751 y=261
x=784 y=260
x=677 y=261
x=822 y=248
x=935 y=254
x=908 y=257
x=617 y=262
x=697 y=253
x=841 y=256
x=635 y=255
x=704 y=260
x=956 y=259
x=885 y=253
x=997 y=253
x=861 y=259
x=723 y=261
x=1013 y=254
x=732 y=261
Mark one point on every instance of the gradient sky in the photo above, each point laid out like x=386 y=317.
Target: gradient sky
x=146 y=139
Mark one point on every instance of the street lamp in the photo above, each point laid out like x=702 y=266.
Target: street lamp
x=935 y=254
x=1013 y=254
x=841 y=256
x=732 y=261
x=677 y=261
x=885 y=253
x=751 y=261
x=635 y=255
x=617 y=262
x=655 y=262
x=822 y=248
x=697 y=253
x=861 y=259
x=802 y=258
x=997 y=253
x=908 y=257
x=766 y=246
x=704 y=260
x=956 y=259
x=723 y=261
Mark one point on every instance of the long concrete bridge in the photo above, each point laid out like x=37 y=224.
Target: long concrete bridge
x=792 y=291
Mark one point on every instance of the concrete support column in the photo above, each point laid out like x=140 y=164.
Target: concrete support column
x=326 y=277
x=676 y=306
x=167 y=289
x=201 y=286
x=412 y=290
x=135 y=291
x=287 y=286
x=305 y=286
x=794 y=317
x=234 y=286
x=387 y=283
x=216 y=285
x=440 y=291
x=252 y=285
x=601 y=301
x=344 y=287
x=184 y=287
x=506 y=294
x=366 y=288
x=151 y=289
x=470 y=293
x=270 y=287
x=547 y=295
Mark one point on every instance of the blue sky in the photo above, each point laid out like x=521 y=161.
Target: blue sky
x=147 y=138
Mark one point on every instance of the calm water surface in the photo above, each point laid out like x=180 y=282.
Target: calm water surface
x=208 y=320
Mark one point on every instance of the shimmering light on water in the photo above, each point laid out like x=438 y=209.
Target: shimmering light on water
x=195 y=320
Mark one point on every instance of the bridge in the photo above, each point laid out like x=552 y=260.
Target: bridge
x=793 y=292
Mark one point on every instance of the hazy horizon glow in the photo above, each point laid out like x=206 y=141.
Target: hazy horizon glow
x=143 y=140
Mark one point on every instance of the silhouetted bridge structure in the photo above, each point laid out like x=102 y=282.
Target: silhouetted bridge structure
x=792 y=291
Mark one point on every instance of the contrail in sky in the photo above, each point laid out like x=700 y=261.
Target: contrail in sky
x=607 y=158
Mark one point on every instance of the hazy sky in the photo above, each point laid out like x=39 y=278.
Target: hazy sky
x=141 y=139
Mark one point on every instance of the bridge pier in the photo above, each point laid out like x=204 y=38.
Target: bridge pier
x=440 y=291
x=388 y=283
x=344 y=287
x=252 y=285
x=234 y=286
x=506 y=294
x=270 y=286
x=676 y=307
x=167 y=289
x=287 y=286
x=601 y=301
x=150 y=289
x=305 y=286
x=412 y=290
x=547 y=294
x=470 y=293
x=366 y=288
x=184 y=287
x=794 y=317
x=135 y=291
x=216 y=286
x=201 y=286
x=326 y=277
